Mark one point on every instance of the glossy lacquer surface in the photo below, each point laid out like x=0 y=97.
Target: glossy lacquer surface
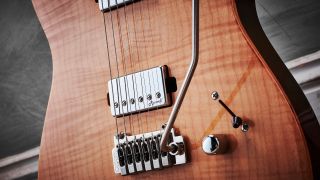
x=79 y=129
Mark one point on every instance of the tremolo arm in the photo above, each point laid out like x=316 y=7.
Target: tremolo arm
x=173 y=147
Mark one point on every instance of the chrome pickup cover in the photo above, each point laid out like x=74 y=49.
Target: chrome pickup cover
x=106 y=5
x=139 y=153
x=140 y=91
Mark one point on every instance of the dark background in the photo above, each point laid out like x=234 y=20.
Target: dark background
x=25 y=77
x=292 y=26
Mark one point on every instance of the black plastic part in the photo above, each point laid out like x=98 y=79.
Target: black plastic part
x=171 y=84
x=145 y=150
x=154 y=150
x=129 y=154
x=121 y=157
x=136 y=152
x=108 y=99
x=236 y=122
x=227 y=108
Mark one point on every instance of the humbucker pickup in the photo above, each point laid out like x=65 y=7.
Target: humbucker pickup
x=141 y=91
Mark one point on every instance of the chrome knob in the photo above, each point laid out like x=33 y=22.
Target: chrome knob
x=214 y=145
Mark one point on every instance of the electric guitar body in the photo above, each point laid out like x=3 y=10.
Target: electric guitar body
x=86 y=135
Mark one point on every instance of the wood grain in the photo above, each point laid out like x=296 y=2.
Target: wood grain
x=78 y=133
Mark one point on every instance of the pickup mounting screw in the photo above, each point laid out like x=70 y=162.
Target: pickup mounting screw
x=149 y=97
x=124 y=103
x=120 y=135
x=116 y=105
x=140 y=99
x=132 y=101
x=158 y=95
x=215 y=95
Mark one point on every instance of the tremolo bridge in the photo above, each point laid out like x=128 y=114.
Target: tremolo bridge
x=138 y=153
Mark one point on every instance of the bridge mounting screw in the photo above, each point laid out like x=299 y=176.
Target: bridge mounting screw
x=149 y=97
x=215 y=95
x=124 y=103
x=140 y=99
x=116 y=105
x=158 y=95
x=132 y=101
x=120 y=135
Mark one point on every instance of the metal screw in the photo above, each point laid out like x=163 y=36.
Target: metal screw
x=158 y=95
x=215 y=95
x=124 y=103
x=116 y=105
x=121 y=135
x=149 y=97
x=245 y=127
x=140 y=99
x=132 y=101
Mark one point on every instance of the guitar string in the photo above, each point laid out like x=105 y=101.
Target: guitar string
x=121 y=44
x=125 y=72
x=117 y=79
x=140 y=73
x=138 y=59
x=129 y=50
x=153 y=93
x=133 y=77
x=110 y=73
x=157 y=82
x=156 y=11
x=124 y=63
x=148 y=108
x=146 y=56
x=148 y=67
x=142 y=76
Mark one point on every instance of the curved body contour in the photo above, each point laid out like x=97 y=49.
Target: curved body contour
x=78 y=133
